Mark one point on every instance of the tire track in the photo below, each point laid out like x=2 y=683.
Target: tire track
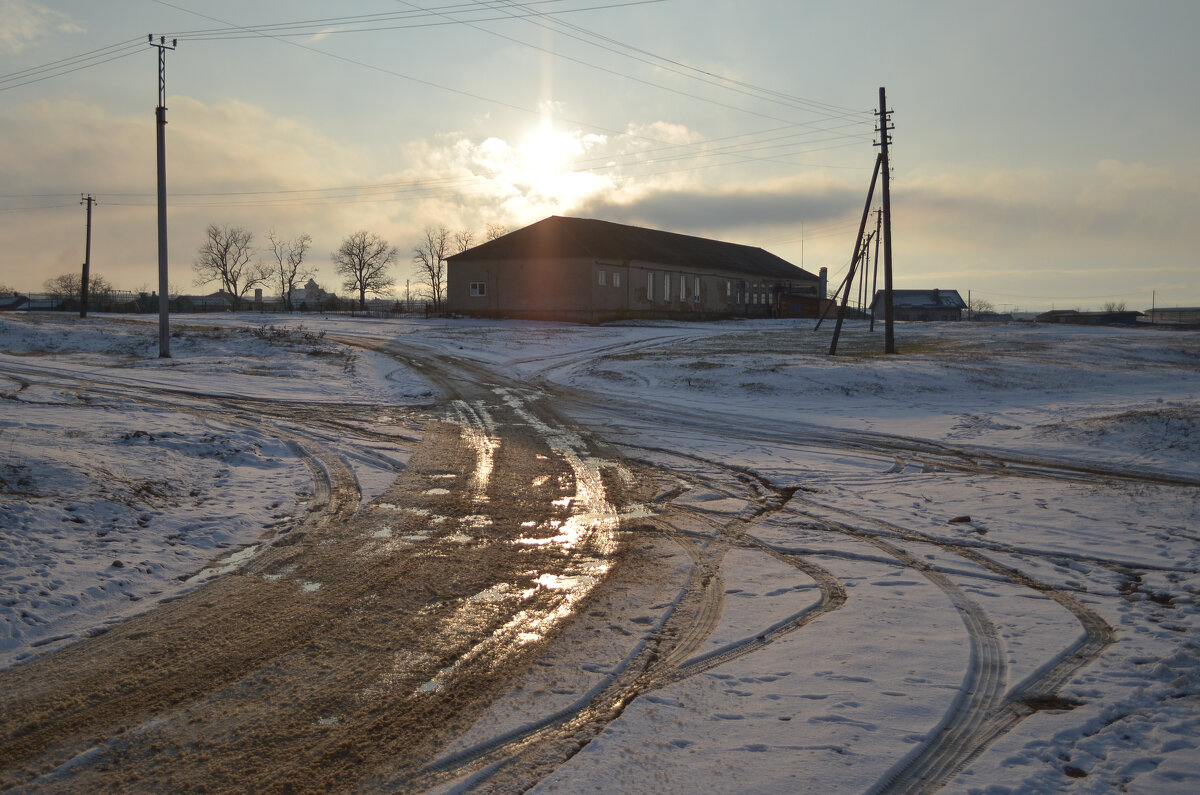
x=518 y=759
x=981 y=713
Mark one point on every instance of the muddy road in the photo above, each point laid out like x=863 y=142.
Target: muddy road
x=363 y=639
x=521 y=585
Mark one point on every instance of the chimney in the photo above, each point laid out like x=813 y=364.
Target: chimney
x=823 y=284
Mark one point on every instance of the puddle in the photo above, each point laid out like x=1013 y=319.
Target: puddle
x=386 y=532
x=224 y=566
x=430 y=515
x=279 y=575
x=310 y=587
x=479 y=431
x=437 y=492
x=497 y=593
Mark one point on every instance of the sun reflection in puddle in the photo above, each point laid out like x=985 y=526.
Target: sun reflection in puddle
x=479 y=431
x=528 y=625
x=587 y=538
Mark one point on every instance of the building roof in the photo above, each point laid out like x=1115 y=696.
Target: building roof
x=924 y=299
x=557 y=237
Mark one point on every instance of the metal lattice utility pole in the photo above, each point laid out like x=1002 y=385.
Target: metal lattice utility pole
x=87 y=257
x=884 y=130
x=160 y=114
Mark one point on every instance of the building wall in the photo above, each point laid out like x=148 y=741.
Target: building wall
x=592 y=290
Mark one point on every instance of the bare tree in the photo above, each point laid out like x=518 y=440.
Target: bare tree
x=463 y=240
x=65 y=289
x=1114 y=306
x=289 y=262
x=430 y=258
x=227 y=256
x=496 y=230
x=362 y=261
x=977 y=305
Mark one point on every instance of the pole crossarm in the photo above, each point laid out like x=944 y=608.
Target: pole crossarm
x=162 y=46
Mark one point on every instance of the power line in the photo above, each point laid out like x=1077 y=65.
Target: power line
x=64 y=66
x=369 y=23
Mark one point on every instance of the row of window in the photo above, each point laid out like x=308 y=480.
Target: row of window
x=616 y=278
x=746 y=294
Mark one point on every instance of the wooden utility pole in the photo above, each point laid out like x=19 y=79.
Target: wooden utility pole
x=87 y=258
x=875 y=273
x=160 y=115
x=858 y=242
x=884 y=129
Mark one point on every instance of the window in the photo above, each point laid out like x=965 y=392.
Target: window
x=696 y=290
x=478 y=289
x=602 y=278
x=649 y=286
x=728 y=292
x=667 y=287
x=682 y=287
x=616 y=278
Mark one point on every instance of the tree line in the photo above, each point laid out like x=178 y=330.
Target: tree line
x=364 y=261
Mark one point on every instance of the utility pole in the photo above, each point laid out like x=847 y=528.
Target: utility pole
x=884 y=129
x=875 y=274
x=848 y=284
x=160 y=115
x=87 y=257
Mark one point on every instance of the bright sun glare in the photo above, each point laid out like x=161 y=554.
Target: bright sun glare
x=548 y=152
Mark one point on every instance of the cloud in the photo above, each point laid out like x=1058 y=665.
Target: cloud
x=23 y=22
x=699 y=209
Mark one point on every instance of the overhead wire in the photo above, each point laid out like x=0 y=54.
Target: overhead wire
x=678 y=152
x=74 y=63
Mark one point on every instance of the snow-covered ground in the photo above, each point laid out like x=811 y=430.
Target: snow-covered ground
x=1067 y=455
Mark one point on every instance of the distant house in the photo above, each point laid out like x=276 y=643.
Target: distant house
x=1077 y=318
x=925 y=305
x=217 y=302
x=311 y=296
x=586 y=270
x=1187 y=315
x=11 y=302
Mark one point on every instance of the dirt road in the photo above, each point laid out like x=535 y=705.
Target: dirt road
x=361 y=650
x=370 y=635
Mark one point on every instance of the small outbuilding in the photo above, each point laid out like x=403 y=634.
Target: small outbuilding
x=591 y=271
x=926 y=305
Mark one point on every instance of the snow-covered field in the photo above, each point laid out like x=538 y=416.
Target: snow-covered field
x=1068 y=456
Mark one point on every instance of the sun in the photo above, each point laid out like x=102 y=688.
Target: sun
x=547 y=151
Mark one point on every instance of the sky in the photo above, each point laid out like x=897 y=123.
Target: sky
x=1041 y=158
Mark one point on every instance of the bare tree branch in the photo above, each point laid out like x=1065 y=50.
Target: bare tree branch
x=289 y=259
x=430 y=258
x=463 y=240
x=226 y=256
x=362 y=261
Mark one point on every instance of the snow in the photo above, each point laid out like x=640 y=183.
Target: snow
x=112 y=501
x=1070 y=453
